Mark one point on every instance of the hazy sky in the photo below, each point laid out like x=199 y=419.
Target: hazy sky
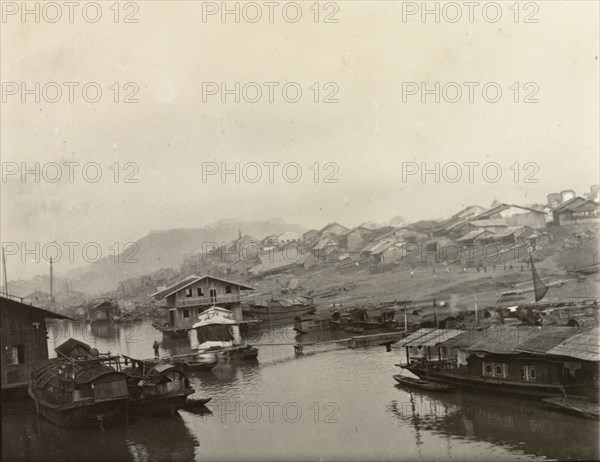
x=369 y=55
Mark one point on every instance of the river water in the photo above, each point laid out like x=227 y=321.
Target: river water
x=328 y=404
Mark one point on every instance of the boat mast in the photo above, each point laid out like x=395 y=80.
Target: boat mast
x=51 y=293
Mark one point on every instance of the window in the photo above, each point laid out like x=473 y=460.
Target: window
x=188 y=292
x=18 y=354
x=488 y=369
x=200 y=293
x=495 y=370
x=186 y=313
x=528 y=373
x=227 y=289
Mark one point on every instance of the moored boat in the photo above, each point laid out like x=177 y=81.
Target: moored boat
x=79 y=392
x=156 y=388
x=422 y=384
x=284 y=309
x=217 y=332
x=195 y=362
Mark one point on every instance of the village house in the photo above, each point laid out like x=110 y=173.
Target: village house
x=444 y=228
x=24 y=339
x=310 y=237
x=354 y=239
x=325 y=247
x=475 y=237
x=193 y=295
x=275 y=261
x=270 y=242
x=332 y=230
x=514 y=215
x=576 y=211
x=425 y=227
x=289 y=237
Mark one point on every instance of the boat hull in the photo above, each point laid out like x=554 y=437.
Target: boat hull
x=279 y=313
x=83 y=415
x=422 y=384
x=160 y=405
x=498 y=386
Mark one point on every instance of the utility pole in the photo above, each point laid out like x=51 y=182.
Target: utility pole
x=476 y=314
x=4 y=269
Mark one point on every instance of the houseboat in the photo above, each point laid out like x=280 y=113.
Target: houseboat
x=103 y=312
x=191 y=296
x=218 y=332
x=156 y=388
x=82 y=391
x=530 y=361
x=283 y=309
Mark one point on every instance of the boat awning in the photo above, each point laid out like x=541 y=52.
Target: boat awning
x=215 y=315
x=434 y=337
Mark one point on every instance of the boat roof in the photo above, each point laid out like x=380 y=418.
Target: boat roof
x=215 y=315
x=583 y=346
x=433 y=337
x=161 y=294
x=81 y=372
x=414 y=336
x=67 y=347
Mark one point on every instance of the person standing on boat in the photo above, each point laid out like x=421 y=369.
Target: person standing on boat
x=155 y=347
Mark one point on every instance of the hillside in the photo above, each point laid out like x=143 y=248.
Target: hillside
x=158 y=249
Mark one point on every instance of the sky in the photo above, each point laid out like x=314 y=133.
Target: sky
x=360 y=155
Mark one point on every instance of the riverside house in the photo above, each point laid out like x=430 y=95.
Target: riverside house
x=24 y=339
x=186 y=299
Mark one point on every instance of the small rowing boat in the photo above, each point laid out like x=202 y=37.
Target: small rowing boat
x=422 y=384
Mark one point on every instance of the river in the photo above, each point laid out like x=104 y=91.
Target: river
x=330 y=404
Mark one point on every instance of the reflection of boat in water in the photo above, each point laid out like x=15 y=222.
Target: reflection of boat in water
x=80 y=391
x=282 y=309
x=156 y=388
x=520 y=426
x=422 y=384
x=218 y=333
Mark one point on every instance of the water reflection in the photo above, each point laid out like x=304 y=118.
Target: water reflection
x=348 y=399
x=527 y=426
x=27 y=438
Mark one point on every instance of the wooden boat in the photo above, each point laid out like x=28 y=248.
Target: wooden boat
x=285 y=309
x=155 y=387
x=217 y=332
x=578 y=406
x=422 y=384
x=246 y=352
x=79 y=392
x=195 y=362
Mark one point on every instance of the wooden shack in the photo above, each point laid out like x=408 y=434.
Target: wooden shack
x=24 y=339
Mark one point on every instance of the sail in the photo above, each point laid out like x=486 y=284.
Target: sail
x=539 y=287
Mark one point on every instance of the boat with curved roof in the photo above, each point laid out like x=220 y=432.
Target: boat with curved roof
x=79 y=392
